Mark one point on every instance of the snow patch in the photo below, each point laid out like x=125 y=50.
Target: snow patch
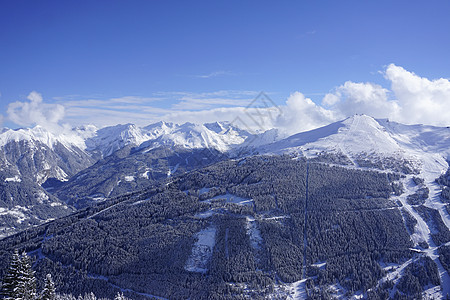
x=253 y=233
x=13 y=179
x=205 y=215
x=170 y=172
x=202 y=250
x=17 y=212
x=230 y=198
x=129 y=178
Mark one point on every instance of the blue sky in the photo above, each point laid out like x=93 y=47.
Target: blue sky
x=114 y=58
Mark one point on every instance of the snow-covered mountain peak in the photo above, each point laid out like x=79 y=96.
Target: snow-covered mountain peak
x=219 y=135
x=356 y=134
x=365 y=141
x=41 y=135
x=109 y=139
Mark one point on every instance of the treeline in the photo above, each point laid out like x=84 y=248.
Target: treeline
x=20 y=283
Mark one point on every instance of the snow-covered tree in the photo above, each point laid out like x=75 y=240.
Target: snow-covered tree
x=11 y=280
x=27 y=282
x=19 y=282
x=90 y=296
x=49 y=292
x=119 y=296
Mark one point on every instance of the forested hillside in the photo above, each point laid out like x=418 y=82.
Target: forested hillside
x=250 y=228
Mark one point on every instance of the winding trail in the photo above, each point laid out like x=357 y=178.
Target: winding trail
x=422 y=233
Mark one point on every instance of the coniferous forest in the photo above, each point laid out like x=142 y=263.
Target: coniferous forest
x=236 y=229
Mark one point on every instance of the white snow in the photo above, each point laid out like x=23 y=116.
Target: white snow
x=230 y=198
x=16 y=178
x=362 y=135
x=145 y=174
x=422 y=231
x=427 y=148
x=253 y=233
x=298 y=290
x=221 y=136
x=41 y=196
x=68 y=138
x=202 y=251
x=170 y=172
x=129 y=178
x=205 y=214
x=16 y=212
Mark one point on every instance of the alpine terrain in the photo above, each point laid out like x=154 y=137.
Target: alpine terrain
x=356 y=209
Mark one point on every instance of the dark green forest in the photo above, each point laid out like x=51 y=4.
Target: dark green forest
x=275 y=220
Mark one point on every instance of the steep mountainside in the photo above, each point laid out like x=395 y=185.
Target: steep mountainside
x=257 y=227
x=129 y=158
x=130 y=169
x=221 y=136
x=28 y=157
x=364 y=142
x=135 y=158
x=37 y=154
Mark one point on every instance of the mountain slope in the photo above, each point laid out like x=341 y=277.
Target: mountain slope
x=221 y=136
x=37 y=154
x=28 y=158
x=135 y=158
x=251 y=227
x=129 y=158
x=352 y=210
x=366 y=142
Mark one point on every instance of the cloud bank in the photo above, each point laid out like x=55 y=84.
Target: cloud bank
x=410 y=99
x=420 y=100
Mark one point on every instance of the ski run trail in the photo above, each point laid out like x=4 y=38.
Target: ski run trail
x=431 y=168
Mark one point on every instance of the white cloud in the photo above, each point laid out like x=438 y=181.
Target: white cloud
x=211 y=100
x=366 y=98
x=36 y=112
x=410 y=99
x=421 y=100
x=178 y=106
x=101 y=116
x=214 y=74
x=194 y=103
x=297 y=114
x=301 y=114
x=416 y=99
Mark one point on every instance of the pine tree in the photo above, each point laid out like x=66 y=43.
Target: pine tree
x=27 y=282
x=11 y=280
x=49 y=292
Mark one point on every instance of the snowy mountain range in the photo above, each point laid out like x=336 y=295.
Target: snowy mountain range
x=379 y=175
x=87 y=164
